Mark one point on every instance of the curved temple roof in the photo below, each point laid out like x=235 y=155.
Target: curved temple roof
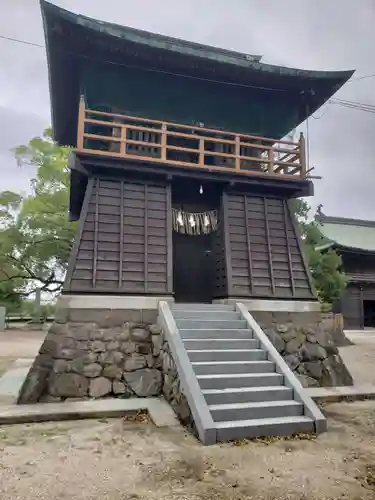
x=71 y=36
x=350 y=234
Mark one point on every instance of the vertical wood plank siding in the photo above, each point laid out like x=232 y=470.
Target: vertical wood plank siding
x=263 y=249
x=123 y=239
x=220 y=288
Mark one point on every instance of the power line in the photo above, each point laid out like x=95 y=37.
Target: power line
x=21 y=41
x=361 y=78
x=369 y=108
x=17 y=40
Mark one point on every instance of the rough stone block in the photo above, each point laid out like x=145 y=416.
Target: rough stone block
x=100 y=387
x=78 y=363
x=128 y=347
x=276 y=339
x=314 y=369
x=145 y=383
x=155 y=329
x=98 y=346
x=293 y=361
x=118 y=387
x=140 y=333
x=69 y=385
x=312 y=352
x=93 y=370
x=135 y=362
x=307 y=381
x=111 y=358
x=112 y=372
x=61 y=366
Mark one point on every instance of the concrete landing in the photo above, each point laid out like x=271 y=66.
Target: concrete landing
x=160 y=412
x=12 y=380
x=336 y=394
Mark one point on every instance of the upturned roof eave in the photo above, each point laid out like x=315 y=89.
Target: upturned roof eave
x=187 y=48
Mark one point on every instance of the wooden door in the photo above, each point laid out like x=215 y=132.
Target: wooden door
x=192 y=268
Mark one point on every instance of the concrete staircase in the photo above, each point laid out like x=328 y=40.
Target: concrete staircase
x=243 y=386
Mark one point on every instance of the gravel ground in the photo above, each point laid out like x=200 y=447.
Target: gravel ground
x=117 y=460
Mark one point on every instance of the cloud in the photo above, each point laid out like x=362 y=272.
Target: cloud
x=300 y=33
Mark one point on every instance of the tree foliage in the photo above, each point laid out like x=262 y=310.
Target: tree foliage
x=35 y=233
x=325 y=265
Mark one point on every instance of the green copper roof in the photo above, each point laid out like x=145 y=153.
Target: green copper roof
x=351 y=234
x=74 y=40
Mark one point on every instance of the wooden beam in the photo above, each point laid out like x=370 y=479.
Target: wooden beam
x=164 y=142
x=237 y=153
x=302 y=150
x=146 y=237
x=228 y=256
x=269 y=245
x=250 y=262
x=290 y=265
x=169 y=240
x=96 y=232
x=121 y=260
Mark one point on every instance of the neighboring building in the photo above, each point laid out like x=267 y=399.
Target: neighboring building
x=179 y=178
x=354 y=240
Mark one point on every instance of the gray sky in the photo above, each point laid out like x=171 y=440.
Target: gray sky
x=333 y=35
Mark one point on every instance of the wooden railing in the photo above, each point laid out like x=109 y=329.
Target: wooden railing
x=118 y=135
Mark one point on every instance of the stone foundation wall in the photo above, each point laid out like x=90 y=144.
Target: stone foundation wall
x=172 y=391
x=307 y=345
x=84 y=360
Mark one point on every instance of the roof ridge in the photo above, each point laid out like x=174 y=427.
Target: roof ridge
x=345 y=221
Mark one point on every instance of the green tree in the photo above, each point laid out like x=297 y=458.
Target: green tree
x=35 y=234
x=325 y=266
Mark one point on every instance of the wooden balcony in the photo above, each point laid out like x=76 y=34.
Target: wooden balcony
x=159 y=142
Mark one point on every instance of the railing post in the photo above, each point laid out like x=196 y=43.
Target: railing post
x=123 y=140
x=237 y=152
x=164 y=142
x=271 y=160
x=302 y=155
x=81 y=122
x=201 y=152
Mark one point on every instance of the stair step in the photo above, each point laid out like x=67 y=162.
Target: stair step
x=228 y=367
x=177 y=306
x=283 y=426
x=211 y=324
x=227 y=355
x=255 y=410
x=209 y=315
x=233 y=395
x=222 y=344
x=239 y=380
x=216 y=334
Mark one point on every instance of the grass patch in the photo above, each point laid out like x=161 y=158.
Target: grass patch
x=267 y=440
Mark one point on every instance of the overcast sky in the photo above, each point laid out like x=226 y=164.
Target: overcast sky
x=309 y=34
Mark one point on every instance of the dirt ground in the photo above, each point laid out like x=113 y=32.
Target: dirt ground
x=117 y=460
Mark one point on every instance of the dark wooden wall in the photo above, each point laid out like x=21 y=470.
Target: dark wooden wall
x=220 y=286
x=263 y=249
x=351 y=306
x=124 y=240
